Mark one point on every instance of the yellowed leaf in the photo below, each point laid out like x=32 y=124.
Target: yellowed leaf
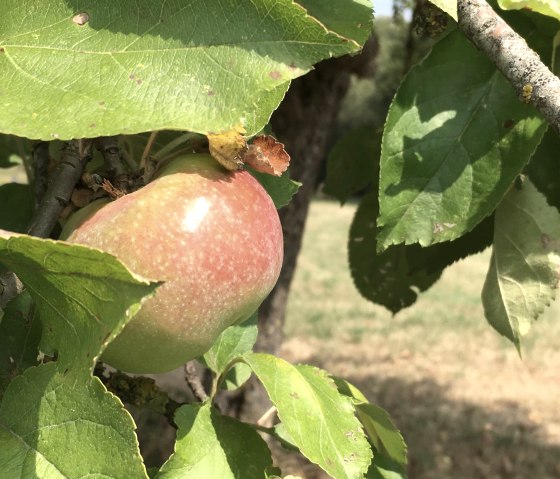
x=228 y=147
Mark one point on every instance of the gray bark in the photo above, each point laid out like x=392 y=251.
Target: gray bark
x=535 y=83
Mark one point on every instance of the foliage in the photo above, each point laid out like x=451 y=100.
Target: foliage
x=443 y=180
x=456 y=138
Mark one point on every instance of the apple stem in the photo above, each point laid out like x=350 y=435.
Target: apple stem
x=194 y=382
x=67 y=174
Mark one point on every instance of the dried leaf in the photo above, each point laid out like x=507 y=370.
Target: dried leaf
x=113 y=192
x=81 y=197
x=228 y=147
x=267 y=155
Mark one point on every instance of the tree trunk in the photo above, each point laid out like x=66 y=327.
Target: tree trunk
x=304 y=122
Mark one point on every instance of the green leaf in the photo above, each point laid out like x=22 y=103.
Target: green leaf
x=546 y=7
x=54 y=427
x=440 y=255
x=17 y=207
x=135 y=66
x=20 y=332
x=320 y=421
x=353 y=163
x=384 y=468
x=385 y=278
x=210 y=445
x=543 y=168
x=236 y=376
x=523 y=273
x=280 y=188
x=231 y=344
x=282 y=435
x=83 y=296
x=384 y=435
x=351 y=19
x=379 y=427
x=455 y=138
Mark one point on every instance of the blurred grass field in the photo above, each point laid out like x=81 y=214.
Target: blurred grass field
x=467 y=404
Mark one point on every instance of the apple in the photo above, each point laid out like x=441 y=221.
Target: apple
x=213 y=236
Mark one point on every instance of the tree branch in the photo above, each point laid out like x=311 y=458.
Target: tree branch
x=67 y=174
x=109 y=148
x=194 y=382
x=535 y=83
x=40 y=170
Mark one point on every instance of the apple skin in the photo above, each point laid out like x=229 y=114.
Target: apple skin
x=212 y=235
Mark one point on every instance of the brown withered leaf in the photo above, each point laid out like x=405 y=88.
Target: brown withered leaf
x=81 y=197
x=228 y=147
x=267 y=155
x=113 y=192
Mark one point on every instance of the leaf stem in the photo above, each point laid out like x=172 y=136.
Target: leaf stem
x=187 y=137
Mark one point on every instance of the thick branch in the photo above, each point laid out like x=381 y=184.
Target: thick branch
x=520 y=65
x=40 y=170
x=67 y=174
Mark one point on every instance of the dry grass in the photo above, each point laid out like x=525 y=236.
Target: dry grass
x=468 y=406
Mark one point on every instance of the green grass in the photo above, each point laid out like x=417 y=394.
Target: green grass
x=467 y=405
x=324 y=302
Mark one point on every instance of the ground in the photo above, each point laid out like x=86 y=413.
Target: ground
x=467 y=404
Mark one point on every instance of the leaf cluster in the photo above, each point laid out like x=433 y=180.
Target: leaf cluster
x=452 y=173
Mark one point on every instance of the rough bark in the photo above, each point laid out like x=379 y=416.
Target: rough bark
x=535 y=83
x=304 y=122
x=57 y=196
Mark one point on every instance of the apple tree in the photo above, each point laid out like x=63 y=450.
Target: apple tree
x=113 y=109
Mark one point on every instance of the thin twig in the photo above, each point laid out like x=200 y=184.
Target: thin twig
x=148 y=148
x=40 y=170
x=267 y=416
x=535 y=83
x=67 y=174
x=194 y=382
